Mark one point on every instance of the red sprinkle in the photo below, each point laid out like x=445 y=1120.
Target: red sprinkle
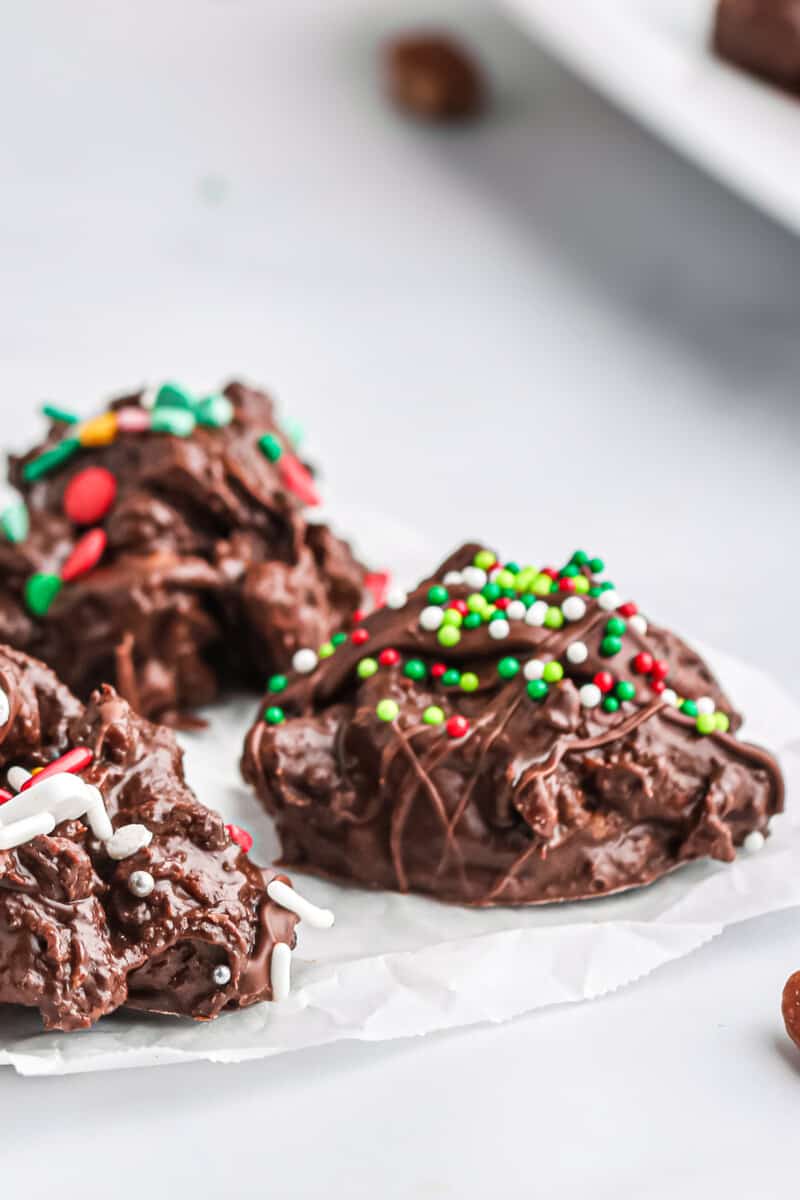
x=460 y=606
x=377 y=584
x=241 y=837
x=457 y=726
x=359 y=636
x=438 y=670
x=86 y=554
x=358 y=616
x=551 y=571
x=388 y=658
x=628 y=610
x=89 y=495
x=297 y=479
x=658 y=686
x=604 y=680
x=643 y=663
x=5 y=796
x=501 y=602
x=567 y=584
x=660 y=669
x=75 y=760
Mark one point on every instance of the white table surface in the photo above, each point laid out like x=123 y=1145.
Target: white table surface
x=544 y=329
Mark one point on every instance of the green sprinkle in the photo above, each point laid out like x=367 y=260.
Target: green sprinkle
x=510 y=593
x=484 y=559
x=625 y=690
x=366 y=668
x=179 y=422
x=528 y=599
x=490 y=592
x=537 y=689
x=469 y=682
x=541 y=585
x=504 y=579
x=594 y=590
x=452 y=617
x=596 y=565
x=387 y=710
x=582 y=585
x=59 y=414
x=472 y=620
x=706 y=723
x=15 y=522
x=41 y=590
x=326 y=650
x=722 y=722
x=553 y=672
x=507 y=668
x=433 y=715
x=689 y=708
x=49 y=460
x=610 y=646
x=274 y=715
x=570 y=571
x=580 y=558
x=415 y=669
x=339 y=638
x=448 y=635
x=215 y=412
x=616 y=626
x=611 y=704
x=277 y=683
x=554 y=586
x=476 y=603
x=270 y=447
x=451 y=677
x=438 y=594
x=554 y=618
x=513 y=568
x=525 y=578
x=496 y=614
x=174 y=395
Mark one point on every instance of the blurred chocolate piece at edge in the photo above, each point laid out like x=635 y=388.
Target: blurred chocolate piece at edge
x=432 y=76
x=762 y=37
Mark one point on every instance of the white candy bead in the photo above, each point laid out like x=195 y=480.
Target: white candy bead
x=221 y=975
x=574 y=608
x=499 y=629
x=141 y=883
x=705 y=705
x=474 y=577
x=128 y=840
x=753 y=842
x=533 y=669
x=638 y=624
x=609 y=600
x=577 y=652
x=495 y=571
x=590 y=695
x=536 y=613
x=287 y=897
x=431 y=617
x=453 y=578
x=396 y=598
x=5 y=708
x=516 y=611
x=304 y=661
x=670 y=697
x=281 y=971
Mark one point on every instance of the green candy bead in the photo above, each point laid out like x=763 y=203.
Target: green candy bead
x=513 y=568
x=570 y=571
x=596 y=565
x=448 y=635
x=706 y=723
x=415 y=669
x=553 y=672
x=484 y=559
x=270 y=447
x=326 y=650
x=504 y=579
x=606 y=586
x=469 y=682
x=490 y=611
x=173 y=395
x=537 y=689
x=438 y=594
x=215 y=412
x=611 y=704
x=60 y=415
x=49 y=460
x=452 y=617
x=490 y=592
x=509 y=593
x=541 y=585
x=625 y=690
x=495 y=614
x=616 y=626
x=528 y=599
x=472 y=620
x=689 y=708
x=15 y=522
x=580 y=558
x=277 y=683
x=594 y=590
x=722 y=722
x=476 y=603
x=507 y=668
x=274 y=715
x=554 y=586
x=554 y=618
x=339 y=638
x=179 y=422
x=582 y=585
x=387 y=710
x=610 y=646
x=367 y=668
x=451 y=677
x=40 y=592
x=525 y=578
x=433 y=715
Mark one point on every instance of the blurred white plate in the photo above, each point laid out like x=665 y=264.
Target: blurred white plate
x=652 y=57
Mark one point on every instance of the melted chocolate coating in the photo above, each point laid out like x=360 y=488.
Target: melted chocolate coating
x=762 y=36
x=540 y=801
x=74 y=941
x=433 y=77
x=212 y=575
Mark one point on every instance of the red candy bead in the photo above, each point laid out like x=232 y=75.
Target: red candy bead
x=89 y=495
x=551 y=571
x=241 y=837
x=359 y=636
x=74 y=760
x=297 y=479
x=628 y=610
x=438 y=670
x=358 y=616
x=377 y=584
x=660 y=669
x=501 y=602
x=643 y=663
x=86 y=554
x=457 y=726
x=388 y=658
x=567 y=584
x=658 y=686
x=460 y=606
x=604 y=680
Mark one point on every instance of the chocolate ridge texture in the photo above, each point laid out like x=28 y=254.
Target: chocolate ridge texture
x=192 y=566
x=177 y=921
x=508 y=735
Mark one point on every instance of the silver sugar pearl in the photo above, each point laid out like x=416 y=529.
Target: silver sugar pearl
x=222 y=975
x=141 y=883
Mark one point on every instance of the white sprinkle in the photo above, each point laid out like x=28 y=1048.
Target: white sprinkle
x=281 y=971
x=609 y=600
x=753 y=842
x=5 y=708
x=453 y=578
x=495 y=571
x=128 y=840
x=304 y=661
x=396 y=598
x=670 y=697
x=573 y=608
x=638 y=624
x=705 y=705
x=499 y=629
x=16 y=777
x=221 y=975
x=533 y=669
x=141 y=883
x=516 y=611
x=474 y=577
x=590 y=695
x=536 y=613
x=577 y=652
x=431 y=617
x=287 y=897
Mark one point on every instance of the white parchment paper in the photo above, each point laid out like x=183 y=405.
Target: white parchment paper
x=394 y=966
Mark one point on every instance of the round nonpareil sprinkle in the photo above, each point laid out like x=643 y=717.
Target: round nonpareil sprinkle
x=533 y=669
x=457 y=726
x=387 y=710
x=433 y=715
x=537 y=689
x=304 y=661
x=431 y=618
x=574 y=608
x=577 y=653
x=274 y=715
x=499 y=629
x=367 y=668
x=396 y=598
x=590 y=695
x=448 y=635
